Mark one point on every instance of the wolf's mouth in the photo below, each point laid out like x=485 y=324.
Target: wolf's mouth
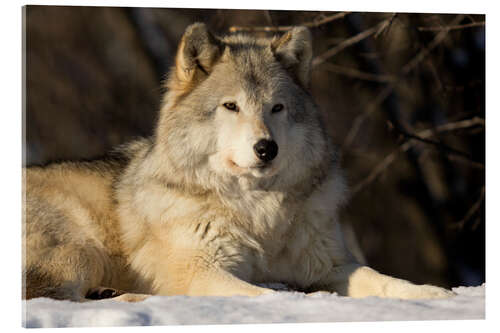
x=256 y=167
x=235 y=167
x=261 y=166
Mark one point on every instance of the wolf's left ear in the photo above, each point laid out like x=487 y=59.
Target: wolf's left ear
x=197 y=53
x=294 y=51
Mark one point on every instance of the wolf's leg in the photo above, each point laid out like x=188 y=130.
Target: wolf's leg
x=59 y=291
x=190 y=276
x=64 y=273
x=360 y=281
x=181 y=266
x=60 y=260
x=217 y=282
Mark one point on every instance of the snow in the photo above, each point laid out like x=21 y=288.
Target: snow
x=281 y=307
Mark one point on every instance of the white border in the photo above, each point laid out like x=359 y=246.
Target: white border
x=11 y=151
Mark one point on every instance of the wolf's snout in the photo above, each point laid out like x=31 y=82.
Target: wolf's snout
x=266 y=150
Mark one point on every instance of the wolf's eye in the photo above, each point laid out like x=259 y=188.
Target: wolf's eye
x=277 y=108
x=231 y=106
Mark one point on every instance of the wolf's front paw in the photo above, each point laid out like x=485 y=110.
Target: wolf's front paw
x=428 y=291
x=103 y=293
x=132 y=298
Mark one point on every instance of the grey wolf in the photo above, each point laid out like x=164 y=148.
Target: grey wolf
x=239 y=185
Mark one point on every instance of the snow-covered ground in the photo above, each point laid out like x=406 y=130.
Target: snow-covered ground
x=282 y=307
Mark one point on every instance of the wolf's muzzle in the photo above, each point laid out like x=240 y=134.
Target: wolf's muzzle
x=266 y=150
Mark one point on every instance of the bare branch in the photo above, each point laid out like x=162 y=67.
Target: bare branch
x=370 y=109
x=268 y=17
x=325 y=20
x=443 y=128
x=313 y=24
x=438 y=144
x=383 y=27
x=476 y=121
x=353 y=72
x=473 y=210
x=468 y=162
x=377 y=29
x=453 y=27
x=411 y=65
x=389 y=159
x=380 y=168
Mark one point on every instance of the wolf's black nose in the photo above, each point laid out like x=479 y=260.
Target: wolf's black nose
x=266 y=150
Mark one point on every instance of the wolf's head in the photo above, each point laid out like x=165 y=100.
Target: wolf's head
x=238 y=106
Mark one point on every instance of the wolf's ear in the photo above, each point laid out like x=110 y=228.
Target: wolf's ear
x=294 y=51
x=196 y=55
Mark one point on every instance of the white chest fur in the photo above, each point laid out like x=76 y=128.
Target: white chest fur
x=294 y=241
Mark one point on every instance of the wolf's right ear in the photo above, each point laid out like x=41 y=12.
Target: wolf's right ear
x=294 y=51
x=196 y=55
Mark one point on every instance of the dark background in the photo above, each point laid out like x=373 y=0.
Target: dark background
x=402 y=94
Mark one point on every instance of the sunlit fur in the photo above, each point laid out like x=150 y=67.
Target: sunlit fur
x=192 y=210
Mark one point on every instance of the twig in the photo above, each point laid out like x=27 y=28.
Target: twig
x=454 y=158
x=425 y=134
x=377 y=29
x=437 y=143
x=406 y=69
x=467 y=123
x=473 y=210
x=313 y=24
x=386 y=162
x=424 y=52
x=268 y=17
x=352 y=72
x=370 y=109
x=453 y=27
x=385 y=26
x=325 y=20
x=468 y=162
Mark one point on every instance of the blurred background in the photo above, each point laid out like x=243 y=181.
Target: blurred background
x=403 y=96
